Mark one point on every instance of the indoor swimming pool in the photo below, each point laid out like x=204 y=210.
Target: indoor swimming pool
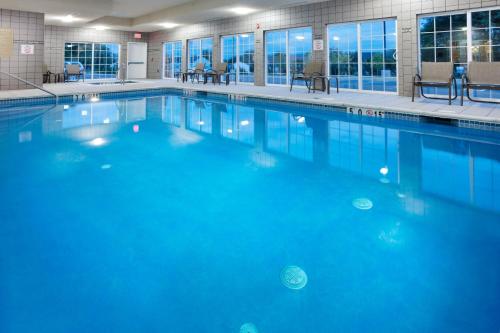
x=173 y=213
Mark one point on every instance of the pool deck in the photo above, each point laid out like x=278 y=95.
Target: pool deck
x=482 y=112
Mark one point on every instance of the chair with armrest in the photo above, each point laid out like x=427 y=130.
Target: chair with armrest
x=481 y=75
x=438 y=75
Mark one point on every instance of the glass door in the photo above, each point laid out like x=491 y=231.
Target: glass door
x=363 y=56
x=172 y=55
x=238 y=52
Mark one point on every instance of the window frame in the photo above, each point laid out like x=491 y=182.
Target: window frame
x=199 y=41
x=287 y=57
x=92 y=65
x=470 y=57
x=173 y=57
x=237 y=54
x=468 y=12
x=360 y=54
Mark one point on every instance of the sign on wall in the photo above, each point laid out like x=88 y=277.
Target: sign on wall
x=318 y=45
x=6 y=42
x=27 y=49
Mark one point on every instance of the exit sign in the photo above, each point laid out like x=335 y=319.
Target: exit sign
x=137 y=35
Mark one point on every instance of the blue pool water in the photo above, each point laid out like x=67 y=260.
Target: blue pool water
x=194 y=214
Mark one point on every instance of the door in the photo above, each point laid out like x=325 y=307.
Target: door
x=137 y=56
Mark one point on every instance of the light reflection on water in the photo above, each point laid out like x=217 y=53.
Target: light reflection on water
x=187 y=209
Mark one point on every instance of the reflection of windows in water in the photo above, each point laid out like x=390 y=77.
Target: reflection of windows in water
x=237 y=123
x=199 y=115
x=172 y=110
x=289 y=134
x=365 y=149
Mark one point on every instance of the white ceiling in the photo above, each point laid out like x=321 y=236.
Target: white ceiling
x=139 y=15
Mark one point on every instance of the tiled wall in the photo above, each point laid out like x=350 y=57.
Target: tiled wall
x=318 y=16
x=28 y=29
x=56 y=36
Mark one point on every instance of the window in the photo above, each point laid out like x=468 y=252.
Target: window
x=461 y=38
x=200 y=50
x=343 y=54
x=486 y=35
x=287 y=51
x=100 y=60
x=378 y=55
x=172 y=59
x=363 y=55
x=238 y=52
x=444 y=39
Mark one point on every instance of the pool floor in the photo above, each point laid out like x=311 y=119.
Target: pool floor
x=191 y=214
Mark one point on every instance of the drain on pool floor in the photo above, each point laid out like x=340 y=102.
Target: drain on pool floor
x=248 y=328
x=294 y=277
x=362 y=203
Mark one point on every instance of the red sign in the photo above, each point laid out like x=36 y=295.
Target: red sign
x=137 y=35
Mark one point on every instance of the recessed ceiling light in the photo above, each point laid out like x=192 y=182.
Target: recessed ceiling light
x=169 y=25
x=242 y=10
x=100 y=27
x=67 y=19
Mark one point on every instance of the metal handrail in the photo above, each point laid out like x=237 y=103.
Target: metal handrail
x=30 y=84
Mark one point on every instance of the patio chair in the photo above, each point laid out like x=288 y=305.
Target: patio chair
x=193 y=73
x=216 y=73
x=481 y=75
x=435 y=74
x=75 y=71
x=46 y=73
x=311 y=70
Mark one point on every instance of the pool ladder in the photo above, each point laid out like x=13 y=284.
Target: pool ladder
x=31 y=84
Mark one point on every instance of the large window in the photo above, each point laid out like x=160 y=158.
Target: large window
x=200 y=50
x=172 y=59
x=363 y=55
x=100 y=60
x=343 y=54
x=444 y=39
x=238 y=52
x=461 y=37
x=287 y=51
